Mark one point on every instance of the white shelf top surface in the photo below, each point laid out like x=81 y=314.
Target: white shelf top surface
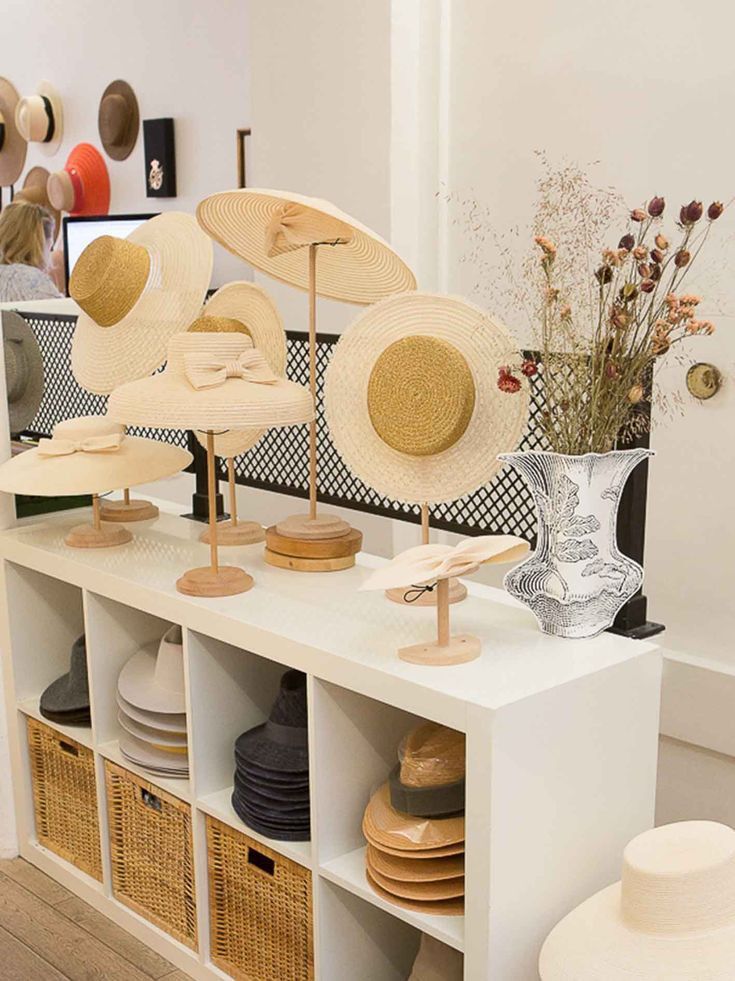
x=321 y=623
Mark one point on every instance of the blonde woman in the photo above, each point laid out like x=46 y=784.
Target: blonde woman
x=26 y=238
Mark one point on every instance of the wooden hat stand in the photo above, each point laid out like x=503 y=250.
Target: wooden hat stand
x=234 y=531
x=129 y=509
x=457 y=589
x=446 y=649
x=97 y=534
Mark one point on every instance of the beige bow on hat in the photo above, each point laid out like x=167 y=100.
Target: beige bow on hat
x=205 y=371
x=294 y=226
x=93 y=444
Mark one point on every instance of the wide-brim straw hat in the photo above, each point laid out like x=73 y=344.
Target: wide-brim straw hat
x=135 y=294
x=408 y=869
x=83 y=186
x=273 y=229
x=412 y=402
x=244 y=307
x=426 y=890
x=429 y=907
x=118 y=120
x=385 y=826
x=35 y=191
x=153 y=678
x=235 y=398
x=23 y=371
x=13 y=148
x=40 y=118
x=670 y=918
x=90 y=455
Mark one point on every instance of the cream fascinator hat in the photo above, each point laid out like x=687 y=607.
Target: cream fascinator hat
x=411 y=399
x=135 y=293
x=670 y=918
x=39 y=118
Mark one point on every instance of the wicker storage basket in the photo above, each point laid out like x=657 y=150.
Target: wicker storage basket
x=151 y=853
x=65 y=797
x=259 y=909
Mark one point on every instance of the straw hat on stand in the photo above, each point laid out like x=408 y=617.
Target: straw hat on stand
x=212 y=382
x=312 y=245
x=13 y=147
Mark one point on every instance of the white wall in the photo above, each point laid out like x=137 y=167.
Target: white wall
x=184 y=59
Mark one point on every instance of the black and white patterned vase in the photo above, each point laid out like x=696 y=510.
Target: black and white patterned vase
x=577 y=579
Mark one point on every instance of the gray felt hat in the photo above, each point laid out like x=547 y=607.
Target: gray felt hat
x=23 y=371
x=70 y=692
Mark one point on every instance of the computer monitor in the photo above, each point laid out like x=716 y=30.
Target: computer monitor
x=79 y=232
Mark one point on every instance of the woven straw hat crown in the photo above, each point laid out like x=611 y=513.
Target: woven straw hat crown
x=109 y=278
x=432 y=755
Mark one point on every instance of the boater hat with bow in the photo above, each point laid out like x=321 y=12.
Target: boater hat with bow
x=40 y=118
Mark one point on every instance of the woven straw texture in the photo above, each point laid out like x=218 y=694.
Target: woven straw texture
x=245 y=307
x=498 y=420
x=260 y=921
x=104 y=357
x=169 y=400
x=109 y=278
x=65 y=798
x=151 y=853
x=363 y=270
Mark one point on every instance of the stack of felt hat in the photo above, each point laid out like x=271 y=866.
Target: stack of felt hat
x=271 y=793
x=66 y=700
x=152 y=708
x=414 y=825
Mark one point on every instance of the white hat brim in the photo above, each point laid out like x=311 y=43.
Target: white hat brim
x=593 y=943
x=363 y=270
x=51 y=93
x=104 y=357
x=137 y=461
x=498 y=419
x=137 y=684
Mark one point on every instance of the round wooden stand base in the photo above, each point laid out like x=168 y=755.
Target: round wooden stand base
x=301 y=564
x=243 y=533
x=87 y=536
x=204 y=581
x=314 y=555
x=461 y=648
x=457 y=592
x=304 y=528
x=127 y=511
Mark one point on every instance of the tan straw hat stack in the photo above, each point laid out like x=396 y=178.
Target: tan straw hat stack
x=670 y=918
x=414 y=825
x=212 y=382
x=13 y=147
x=39 y=118
x=312 y=245
x=242 y=308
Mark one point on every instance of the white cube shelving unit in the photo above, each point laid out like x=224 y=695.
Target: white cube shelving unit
x=561 y=735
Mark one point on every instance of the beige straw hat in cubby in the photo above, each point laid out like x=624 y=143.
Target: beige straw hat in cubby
x=13 y=147
x=271 y=229
x=90 y=455
x=40 y=118
x=135 y=294
x=246 y=309
x=412 y=402
x=383 y=825
x=670 y=918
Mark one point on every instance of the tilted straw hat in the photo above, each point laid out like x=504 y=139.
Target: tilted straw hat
x=246 y=309
x=13 y=147
x=23 y=371
x=35 y=191
x=90 y=455
x=135 y=293
x=212 y=381
x=670 y=918
x=118 y=120
x=40 y=118
x=412 y=402
x=83 y=186
x=272 y=229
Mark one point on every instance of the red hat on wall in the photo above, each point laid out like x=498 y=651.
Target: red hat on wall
x=83 y=186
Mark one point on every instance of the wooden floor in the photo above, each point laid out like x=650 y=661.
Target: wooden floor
x=48 y=934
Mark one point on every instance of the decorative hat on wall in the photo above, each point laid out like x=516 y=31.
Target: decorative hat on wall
x=35 y=191
x=40 y=118
x=83 y=186
x=13 y=147
x=135 y=293
x=672 y=915
x=118 y=120
x=23 y=371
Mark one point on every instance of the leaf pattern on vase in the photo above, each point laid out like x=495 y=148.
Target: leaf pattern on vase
x=567 y=532
x=607 y=570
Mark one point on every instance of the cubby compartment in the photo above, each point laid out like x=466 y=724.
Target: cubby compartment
x=152 y=853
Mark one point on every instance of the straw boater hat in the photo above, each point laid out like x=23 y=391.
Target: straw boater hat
x=384 y=826
x=40 y=118
x=412 y=402
x=670 y=918
x=153 y=678
x=13 y=147
x=23 y=371
x=244 y=308
x=90 y=455
x=35 y=191
x=272 y=229
x=212 y=381
x=83 y=186
x=118 y=120
x=135 y=293
x=442 y=751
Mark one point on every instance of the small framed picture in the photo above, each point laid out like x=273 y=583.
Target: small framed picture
x=160 y=158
